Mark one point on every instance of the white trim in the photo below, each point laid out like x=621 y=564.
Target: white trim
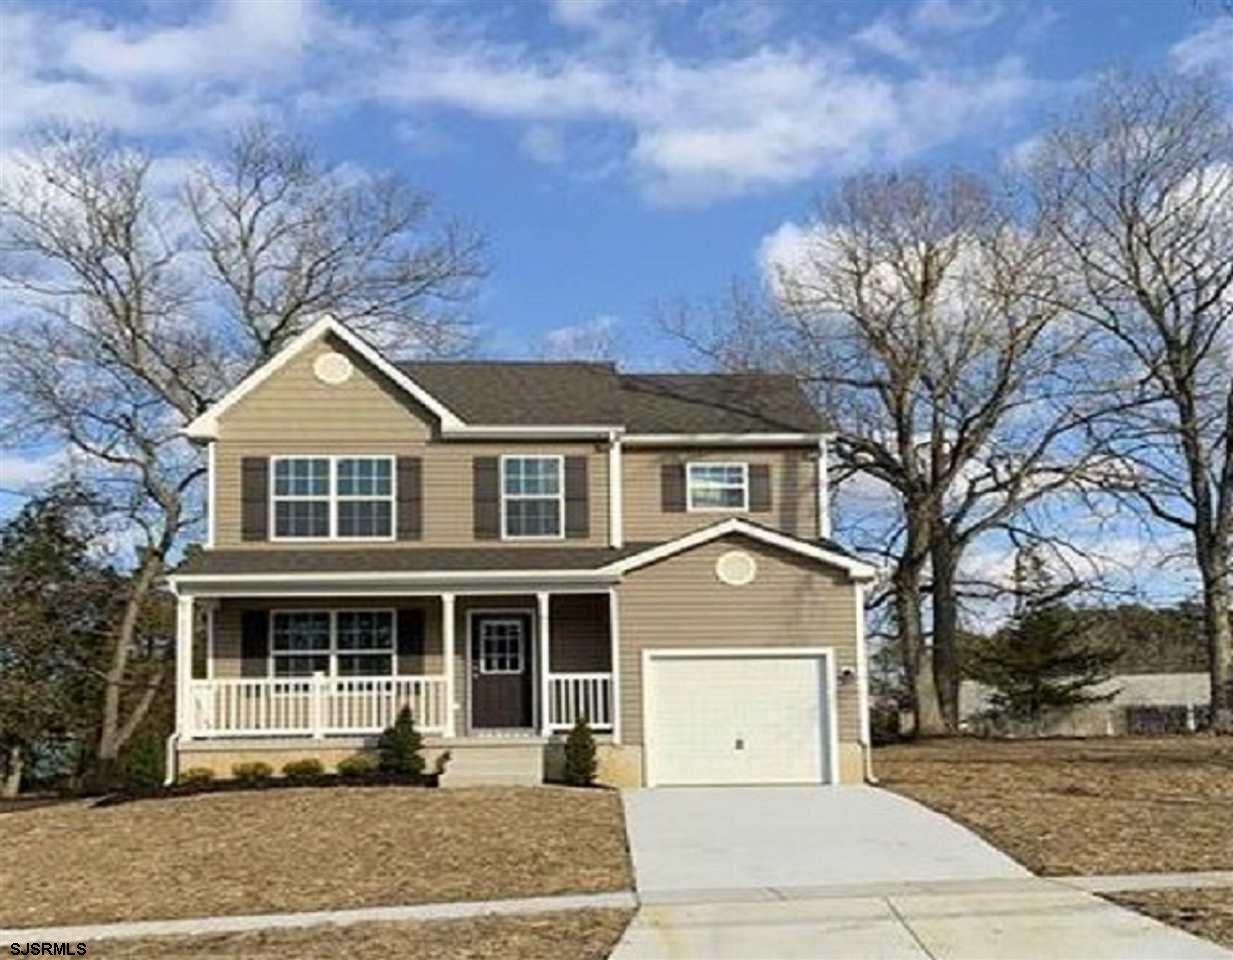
x=210 y=607
x=543 y=632
x=722 y=439
x=206 y=425
x=862 y=667
x=211 y=513
x=500 y=612
x=449 y=654
x=332 y=497
x=832 y=705
x=530 y=432
x=856 y=569
x=616 y=492
x=184 y=667
x=560 y=459
x=614 y=631
x=824 y=491
x=597 y=575
x=690 y=507
x=333 y=651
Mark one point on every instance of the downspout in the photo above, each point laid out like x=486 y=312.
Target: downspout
x=862 y=678
x=171 y=762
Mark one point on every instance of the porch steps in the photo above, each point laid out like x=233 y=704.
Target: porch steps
x=479 y=762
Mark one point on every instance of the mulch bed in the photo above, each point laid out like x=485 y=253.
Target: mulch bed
x=1205 y=913
x=572 y=935
x=306 y=849
x=1080 y=806
x=193 y=788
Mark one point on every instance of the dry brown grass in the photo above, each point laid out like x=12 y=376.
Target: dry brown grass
x=311 y=849
x=1080 y=807
x=573 y=935
x=1205 y=913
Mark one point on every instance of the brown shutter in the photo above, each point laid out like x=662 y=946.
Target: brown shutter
x=759 y=488
x=254 y=498
x=577 y=506
x=486 y=497
x=411 y=640
x=410 y=498
x=254 y=643
x=672 y=487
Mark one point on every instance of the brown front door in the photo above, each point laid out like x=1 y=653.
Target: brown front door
x=501 y=675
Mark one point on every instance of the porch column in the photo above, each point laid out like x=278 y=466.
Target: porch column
x=184 y=666
x=545 y=629
x=447 y=648
x=614 y=663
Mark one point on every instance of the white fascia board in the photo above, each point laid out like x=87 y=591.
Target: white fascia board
x=722 y=439
x=206 y=426
x=416 y=576
x=477 y=431
x=856 y=569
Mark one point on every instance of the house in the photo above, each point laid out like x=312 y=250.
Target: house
x=507 y=547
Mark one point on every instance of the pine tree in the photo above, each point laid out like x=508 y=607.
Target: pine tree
x=400 y=747
x=580 y=759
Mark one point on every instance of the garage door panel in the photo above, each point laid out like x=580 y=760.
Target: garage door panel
x=728 y=719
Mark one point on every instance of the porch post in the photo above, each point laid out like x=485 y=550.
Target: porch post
x=184 y=666
x=447 y=651
x=614 y=663
x=545 y=629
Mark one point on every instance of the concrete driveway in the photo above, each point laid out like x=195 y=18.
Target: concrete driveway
x=853 y=872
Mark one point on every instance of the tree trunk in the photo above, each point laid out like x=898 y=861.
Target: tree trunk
x=14 y=763
x=945 y=609
x=929 y=722
x=1216 y=602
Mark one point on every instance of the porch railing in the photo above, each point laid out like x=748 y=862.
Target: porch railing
x=574 y=695
x=314 y=706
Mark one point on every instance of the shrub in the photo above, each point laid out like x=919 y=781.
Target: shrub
x=303 y=769
x=141 y=766
x=361 y=765
x=580 y=761
x=400 y=746
x=197 y=775
x=252 y=772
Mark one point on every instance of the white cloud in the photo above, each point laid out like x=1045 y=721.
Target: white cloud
x=28 y=471
x=592 y=340
x=884 y=37
x=543 y=144
x=950 y=16
x=1210 y=47
x=747 y=20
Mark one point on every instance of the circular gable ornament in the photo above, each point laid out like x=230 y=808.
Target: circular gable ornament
x=736 y=568
x=332 y=368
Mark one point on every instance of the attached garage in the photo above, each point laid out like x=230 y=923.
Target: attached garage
x=758 y=715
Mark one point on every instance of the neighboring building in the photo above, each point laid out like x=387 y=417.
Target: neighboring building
x=508 y=546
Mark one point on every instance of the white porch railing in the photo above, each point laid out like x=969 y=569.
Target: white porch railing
x=314 y=706
x=574 y=695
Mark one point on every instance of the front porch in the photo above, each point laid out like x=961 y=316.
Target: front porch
x=328 y=672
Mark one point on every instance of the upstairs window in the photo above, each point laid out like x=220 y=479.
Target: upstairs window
x=322 y=498
x=532 y=497
x=718 y=486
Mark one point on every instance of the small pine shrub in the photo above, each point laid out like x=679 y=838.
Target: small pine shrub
x=303 y=769
x=253 y=772
x=400 y=747
x=580 y=760
x=361 y=765
x=197 y=775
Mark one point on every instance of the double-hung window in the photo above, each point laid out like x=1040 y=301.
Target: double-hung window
x=718 y=486
x=322 y=498
x=338 y=643
x=532 y=497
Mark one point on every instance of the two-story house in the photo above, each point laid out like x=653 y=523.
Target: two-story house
x=506 y=547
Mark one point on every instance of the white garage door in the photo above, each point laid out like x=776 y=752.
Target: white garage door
x=737 y=719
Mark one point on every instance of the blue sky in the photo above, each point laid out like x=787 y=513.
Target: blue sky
x=615 y=154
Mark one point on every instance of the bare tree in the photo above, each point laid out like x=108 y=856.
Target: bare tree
x=1139 y=188
x=130 y=309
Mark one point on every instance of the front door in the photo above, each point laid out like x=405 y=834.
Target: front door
x=501 y=691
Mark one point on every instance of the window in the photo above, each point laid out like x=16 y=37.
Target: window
x=501 y=646
x=718 y=486
x=320 y=498
x=339 y=643
x=532 y=497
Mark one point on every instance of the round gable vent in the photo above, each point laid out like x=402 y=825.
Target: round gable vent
x=736 y=568
x=332 y=368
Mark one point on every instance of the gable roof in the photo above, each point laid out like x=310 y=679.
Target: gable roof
x=559 y=399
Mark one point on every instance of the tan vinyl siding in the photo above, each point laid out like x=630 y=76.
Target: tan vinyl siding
x=794 y=503
x=679 y=602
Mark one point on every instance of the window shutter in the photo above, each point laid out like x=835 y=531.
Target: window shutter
x=486 y=497
x=254 y=643
x=759 y=488
x=410 y=640
x=254 y=498
x=410 y=498
x=577 y=505
x=672 y=487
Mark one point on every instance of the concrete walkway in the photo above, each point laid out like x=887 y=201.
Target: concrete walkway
x=855 y=872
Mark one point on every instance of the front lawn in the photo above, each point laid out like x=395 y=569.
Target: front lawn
x=1101 y=806
x=310 y=849
x=572 y=935
x=1205 y=913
